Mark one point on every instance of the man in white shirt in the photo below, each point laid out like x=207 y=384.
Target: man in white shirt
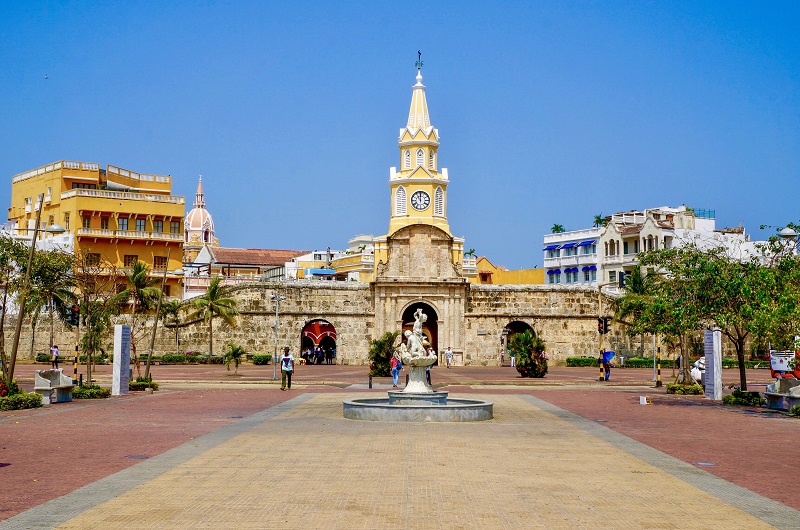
x=287 y=368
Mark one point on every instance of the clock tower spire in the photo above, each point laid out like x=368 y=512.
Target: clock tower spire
x=419 y=187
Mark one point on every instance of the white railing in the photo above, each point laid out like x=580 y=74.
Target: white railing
x=106 y=194
x=128 y=234
x=166 y=237
x=95 y=232
x=612 y=259
x=137 y=176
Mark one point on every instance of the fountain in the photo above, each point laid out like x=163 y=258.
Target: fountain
x=417 y=401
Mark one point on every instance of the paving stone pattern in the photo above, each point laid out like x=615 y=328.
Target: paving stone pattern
x=301 y=465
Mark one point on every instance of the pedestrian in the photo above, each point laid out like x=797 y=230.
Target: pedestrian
x=396 y=365
x=319 y=355
x=513 y=356
x=287 y=368
x=448 y=356
x=428 y=374
x=54 y=356
x=607 y=368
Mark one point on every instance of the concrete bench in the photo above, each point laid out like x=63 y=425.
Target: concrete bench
x=783 y=394
x=46 y=382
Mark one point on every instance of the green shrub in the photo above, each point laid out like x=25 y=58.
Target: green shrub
x=261 y=359
x=529 y=350
x=380 y=352
x=8 y=390
x=140 y=386
x=173 y=358
x=21 y=400
x=795 y=411
x=42 y=357
x=679 y=388
x=748 y=399
x=91 y=392
x=582 y=361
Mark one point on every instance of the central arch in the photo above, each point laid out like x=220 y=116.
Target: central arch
x=430 y=328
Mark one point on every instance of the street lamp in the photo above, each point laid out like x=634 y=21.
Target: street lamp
x=789 y=234
x=277 y=299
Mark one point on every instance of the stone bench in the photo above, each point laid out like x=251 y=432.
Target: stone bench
x=783 y=394
x=46 y=382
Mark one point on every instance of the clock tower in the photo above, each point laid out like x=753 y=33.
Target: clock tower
x=419 y=187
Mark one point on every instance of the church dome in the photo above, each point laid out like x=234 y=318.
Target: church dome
x=198 y=224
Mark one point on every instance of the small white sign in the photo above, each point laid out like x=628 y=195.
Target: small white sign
x=122 y=360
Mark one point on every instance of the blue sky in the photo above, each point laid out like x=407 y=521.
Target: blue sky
x=549 y=112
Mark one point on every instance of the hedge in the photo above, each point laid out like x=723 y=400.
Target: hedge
x=22 y=400
x=678 y=388
x=91 y=392
x=647 y=362
x=261 y=358
x=140 y=386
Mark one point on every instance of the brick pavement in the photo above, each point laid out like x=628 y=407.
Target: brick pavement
x=299 y=464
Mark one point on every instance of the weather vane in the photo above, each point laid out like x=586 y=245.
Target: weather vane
x=419 y=60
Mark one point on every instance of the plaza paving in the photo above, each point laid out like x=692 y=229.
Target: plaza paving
x=261 y=458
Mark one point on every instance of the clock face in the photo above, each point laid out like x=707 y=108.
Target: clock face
x=420 y=200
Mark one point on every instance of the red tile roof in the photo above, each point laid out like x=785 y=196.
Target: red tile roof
x=255 y=256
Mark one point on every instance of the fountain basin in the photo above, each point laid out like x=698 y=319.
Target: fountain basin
x=454 y=410
x=437 y=397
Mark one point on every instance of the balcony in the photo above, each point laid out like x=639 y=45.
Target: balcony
x=122 y=195
x=128 y=234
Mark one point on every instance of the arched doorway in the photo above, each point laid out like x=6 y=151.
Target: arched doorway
x=318 y=342
x=511 y=329
x=430 y=328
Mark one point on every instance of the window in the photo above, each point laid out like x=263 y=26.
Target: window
x=636 y=247
x=174 y=227
x=130 y=259
x=586 y=276
x=625 y=247
x=590 y=249
x=104 y=223
x=612 y=276
x=66 y=221
x=140 y=225
x=122 y=223
x=86 y=222
x=158 y=226
x=594 y=275
x=430 y=159
x=160 y=263
x=121 y=287
x=438 y=202
x=407 y=159
x=553 y=253
x=92 y=259
x=82 y=186
x=167 y=290
x=420 y=157
x=400 y=201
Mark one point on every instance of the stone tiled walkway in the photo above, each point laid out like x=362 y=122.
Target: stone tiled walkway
x=301 y=465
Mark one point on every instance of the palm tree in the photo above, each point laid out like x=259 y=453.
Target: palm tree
x=170 y=314
x=234 y=355
x=470 y=252
x=557 y=229
x=214 y=303
x=599 y=221
x=142 y=292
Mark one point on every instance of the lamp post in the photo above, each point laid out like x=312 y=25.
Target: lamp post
x=277 y=299
x=790 y=235
x=53 y=230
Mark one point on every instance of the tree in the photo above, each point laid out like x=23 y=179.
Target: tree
x=599 y=221
x=557 y=229
x=171 y=316
x=51 y=285
x=234 y=355
x=529 y=351
x=380 y=353
x=142 y=293
x=215 y=302
x=99 y=300
x=12 y=254
x=470 y=252
x=636 y=291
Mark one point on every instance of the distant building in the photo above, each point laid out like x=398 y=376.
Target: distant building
x=198 y=227
x=110 y=215
x=491 y=274
x=570 y=258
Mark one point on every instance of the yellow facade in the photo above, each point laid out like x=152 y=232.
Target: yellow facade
x=116 y=214
x=488 y=273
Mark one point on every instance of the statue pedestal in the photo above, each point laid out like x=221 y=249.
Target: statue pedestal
x=417 y=382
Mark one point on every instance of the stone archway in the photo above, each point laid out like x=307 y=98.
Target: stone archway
x=511 y=329
x=318 y=334
x=430 y=328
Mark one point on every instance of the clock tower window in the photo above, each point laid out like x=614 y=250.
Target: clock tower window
x=438 y=202
x=407 y=159
x=420 y=157
x=430 y=160
x=400 y=201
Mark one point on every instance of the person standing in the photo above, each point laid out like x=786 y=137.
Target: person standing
x=396 y=365
x=448 y=356
x=287 y=368
x=513 y=356
x=54 y=356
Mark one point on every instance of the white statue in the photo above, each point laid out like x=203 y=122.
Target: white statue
x=414 y=354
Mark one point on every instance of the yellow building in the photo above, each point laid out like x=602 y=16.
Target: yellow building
x=115 y=215
x=418 y=191
x=489 y=273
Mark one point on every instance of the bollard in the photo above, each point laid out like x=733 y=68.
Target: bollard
x=658 y=373
x=80 y=381
x=75 y=370
x=602 y=372
x=370 y=380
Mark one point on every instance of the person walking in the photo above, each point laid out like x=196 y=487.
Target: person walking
x=287 y=368
x=54 y=356
x=396 y=365
x=448 y=356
